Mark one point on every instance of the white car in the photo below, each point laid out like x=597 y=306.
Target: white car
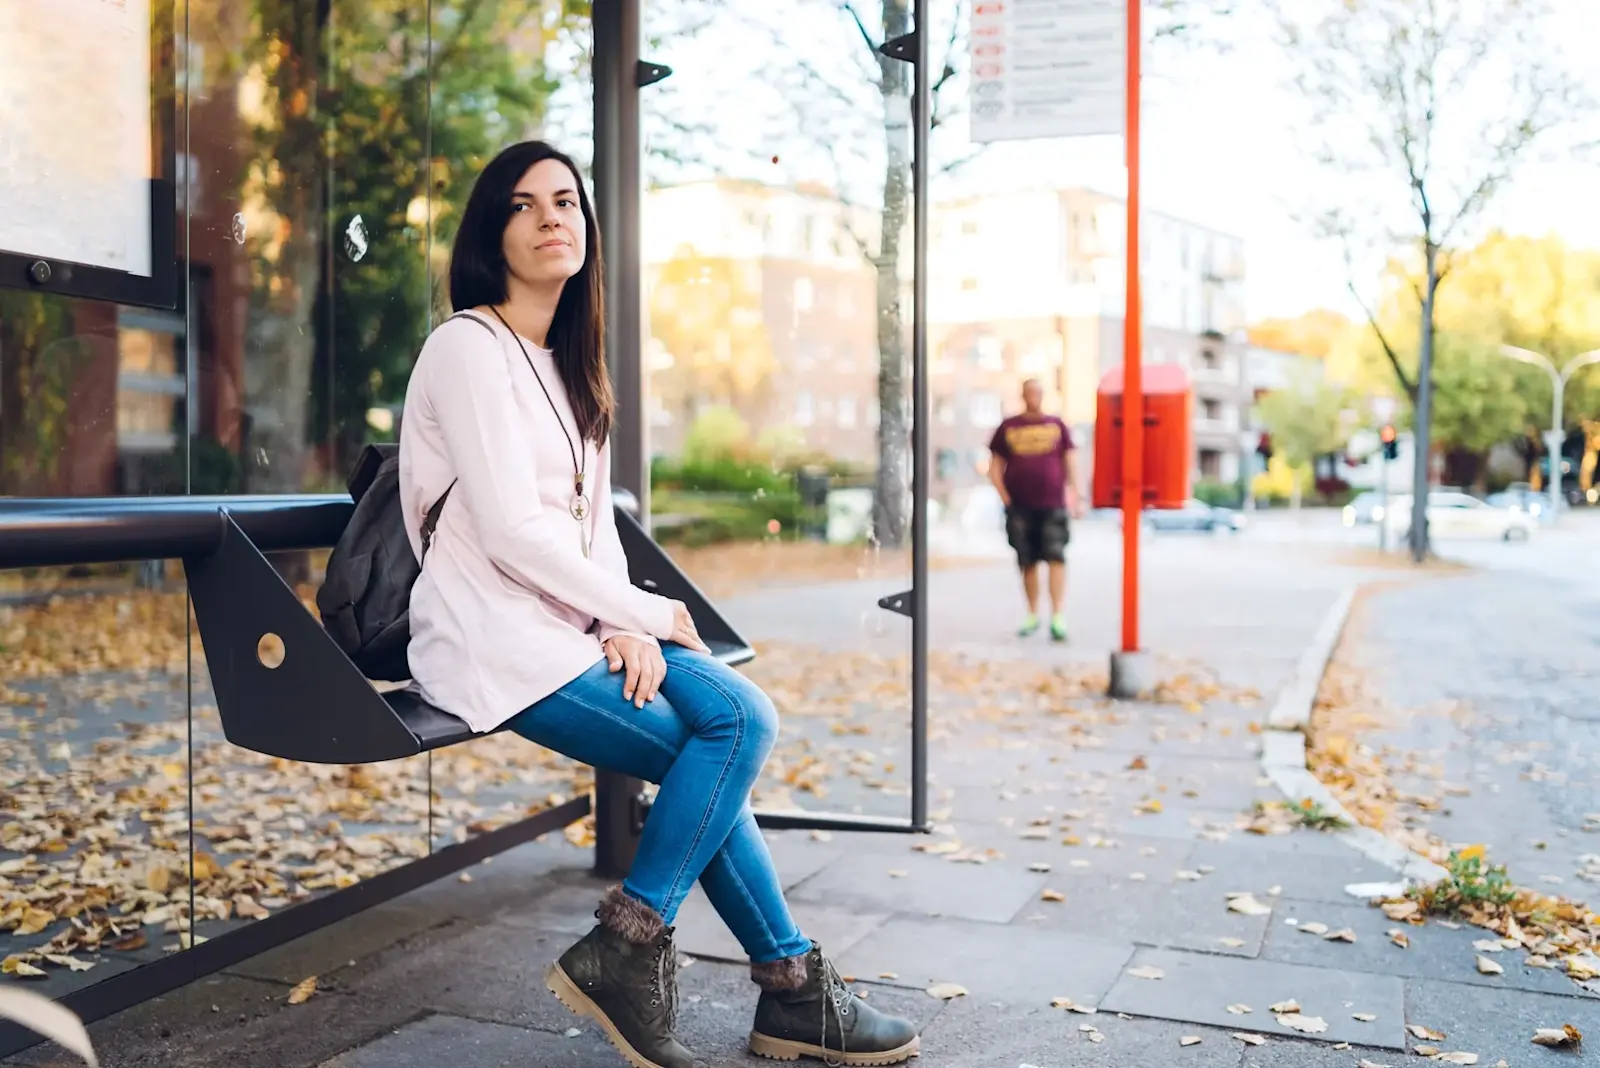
x=1452 y=514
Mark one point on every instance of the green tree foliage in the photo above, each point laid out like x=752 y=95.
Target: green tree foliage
x=1306 y=420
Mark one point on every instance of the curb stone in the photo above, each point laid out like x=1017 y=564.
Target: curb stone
x=1283 y=757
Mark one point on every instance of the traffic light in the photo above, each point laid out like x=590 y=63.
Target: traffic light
x=1391 y=442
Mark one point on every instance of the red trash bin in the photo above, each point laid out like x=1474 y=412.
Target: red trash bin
x=1168 y=399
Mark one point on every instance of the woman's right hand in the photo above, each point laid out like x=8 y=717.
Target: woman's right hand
x=683 y=630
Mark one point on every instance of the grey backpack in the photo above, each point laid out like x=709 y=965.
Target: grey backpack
x=365 y=599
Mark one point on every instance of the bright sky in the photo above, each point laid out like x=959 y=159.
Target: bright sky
x=787 y=80
x=1220 y=149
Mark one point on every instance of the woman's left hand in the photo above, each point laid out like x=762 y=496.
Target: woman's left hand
x=644 y=664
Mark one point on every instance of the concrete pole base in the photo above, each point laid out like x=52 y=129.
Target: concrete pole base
x=1132 y=674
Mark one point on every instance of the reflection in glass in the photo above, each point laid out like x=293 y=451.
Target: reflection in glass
x=777 y=270
x=308 y=125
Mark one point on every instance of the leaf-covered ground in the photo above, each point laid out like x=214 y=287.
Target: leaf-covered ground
x=103 y=768
x=1554 y=931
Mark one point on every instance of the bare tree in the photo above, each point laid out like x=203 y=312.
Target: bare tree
x=890 y=79
x=1424 y=109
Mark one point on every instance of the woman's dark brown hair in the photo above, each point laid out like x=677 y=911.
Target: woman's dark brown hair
x=478 y=277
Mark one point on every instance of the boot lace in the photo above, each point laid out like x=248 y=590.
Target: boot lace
x=838 y=998
x=664 y=982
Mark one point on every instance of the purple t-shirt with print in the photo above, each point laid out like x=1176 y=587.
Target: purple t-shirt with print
x=1034 y=448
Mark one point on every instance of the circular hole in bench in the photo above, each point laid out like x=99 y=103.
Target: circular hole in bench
x=269 y=650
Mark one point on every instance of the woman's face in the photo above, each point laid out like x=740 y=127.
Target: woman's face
x=545 y=238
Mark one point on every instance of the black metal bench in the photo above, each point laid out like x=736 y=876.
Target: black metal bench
x=282 y=686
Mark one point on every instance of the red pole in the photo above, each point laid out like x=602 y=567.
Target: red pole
x=1132 y=347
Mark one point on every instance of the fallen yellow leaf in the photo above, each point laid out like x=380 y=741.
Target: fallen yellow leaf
x=1565 y=1035
x=946 y=991
x=302 y=991
x=1308 y=1025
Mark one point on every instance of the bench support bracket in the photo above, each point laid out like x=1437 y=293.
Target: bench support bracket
x=250 y=620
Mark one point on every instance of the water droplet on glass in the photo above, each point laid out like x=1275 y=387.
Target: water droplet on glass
x=355 y=239
x=238 y=227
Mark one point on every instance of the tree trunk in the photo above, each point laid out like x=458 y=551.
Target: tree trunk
x=891 y=519
x=1424 y=408
x=281 y=326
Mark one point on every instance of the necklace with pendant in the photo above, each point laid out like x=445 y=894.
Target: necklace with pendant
x=579 y=504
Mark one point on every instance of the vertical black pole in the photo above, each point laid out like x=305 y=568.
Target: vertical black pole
x=618 y=187
x=921 y=123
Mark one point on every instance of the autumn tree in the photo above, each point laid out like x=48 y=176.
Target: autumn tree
x=1315 y=333
x=373 y=121
x=1422 y=111
x=1534 y=293
x=1306 y=420
x=706 y=311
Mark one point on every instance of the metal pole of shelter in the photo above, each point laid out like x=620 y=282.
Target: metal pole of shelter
x=1132 y=348
x=618 y=188
x=921 y=113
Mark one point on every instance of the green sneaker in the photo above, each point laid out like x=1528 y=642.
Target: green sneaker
x=1030 y=627
x=1058 y=628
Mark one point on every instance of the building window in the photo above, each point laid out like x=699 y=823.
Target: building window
x=846 y=412
x=152 y=388
x=1210 y=409
x=1208 y=359
x=989 y=353
x=804 y=412
x=1210 y=463
x=945 y=408
x=804 y=294
x=985 y=409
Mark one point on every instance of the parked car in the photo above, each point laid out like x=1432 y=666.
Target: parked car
x=1520 y=495
x=1194 y=515
x=1452 y=514
x=1367 y=508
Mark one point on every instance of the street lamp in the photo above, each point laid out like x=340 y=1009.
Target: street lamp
x=1559 y=377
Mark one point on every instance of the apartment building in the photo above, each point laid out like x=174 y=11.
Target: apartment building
x=1030 y=283
x=761 y=300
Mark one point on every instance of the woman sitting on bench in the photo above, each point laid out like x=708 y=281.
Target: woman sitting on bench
x=524 y=614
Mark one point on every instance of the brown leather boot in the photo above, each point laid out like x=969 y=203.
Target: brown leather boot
x=624 y=976
x=806 y=1010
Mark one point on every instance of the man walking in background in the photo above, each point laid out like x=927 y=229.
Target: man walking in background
x=1032 y=468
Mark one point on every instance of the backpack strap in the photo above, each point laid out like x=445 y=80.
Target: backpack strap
x=480 y=320
x=430 y=522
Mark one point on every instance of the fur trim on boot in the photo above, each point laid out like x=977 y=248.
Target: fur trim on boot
x=629 y=917
x=786 y=974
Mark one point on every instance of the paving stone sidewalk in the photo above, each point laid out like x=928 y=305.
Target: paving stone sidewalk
x=1132 y=813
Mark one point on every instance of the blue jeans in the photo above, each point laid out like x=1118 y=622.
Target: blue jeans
x=703 y=739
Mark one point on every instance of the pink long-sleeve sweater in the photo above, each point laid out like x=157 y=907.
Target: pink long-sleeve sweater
x=508 y=609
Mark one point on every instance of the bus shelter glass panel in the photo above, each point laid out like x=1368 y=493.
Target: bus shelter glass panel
x=94 y=799
x=94 y=795
x=502 y=72
x=777 y=251
x=308 y=294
